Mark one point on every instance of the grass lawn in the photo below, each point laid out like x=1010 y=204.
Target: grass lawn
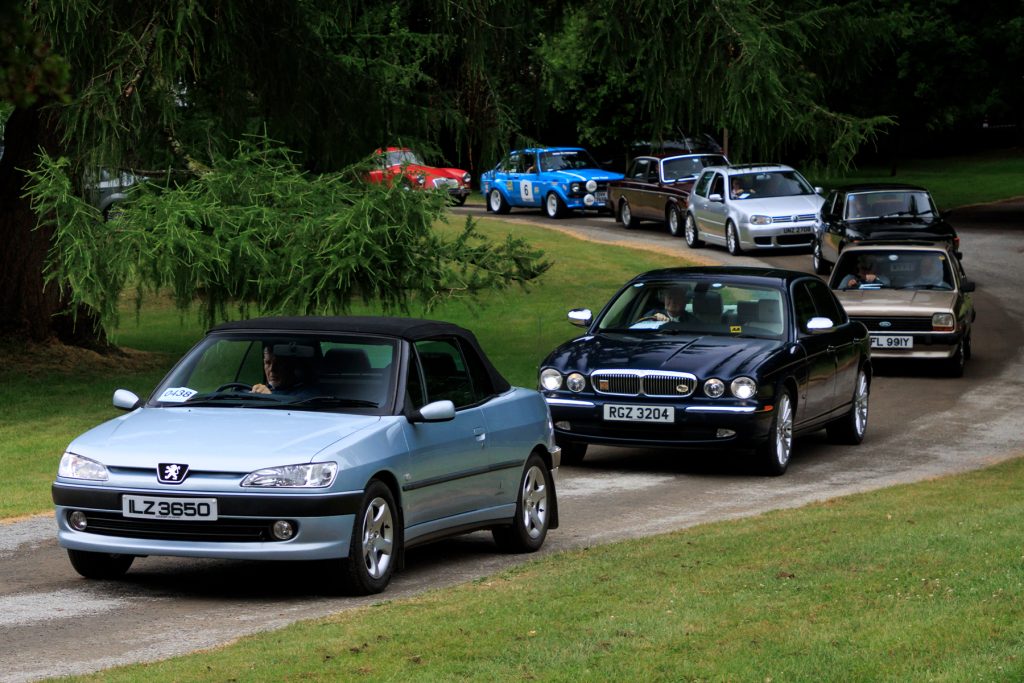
x=913 y=583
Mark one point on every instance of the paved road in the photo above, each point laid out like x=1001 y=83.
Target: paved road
x=921 y=425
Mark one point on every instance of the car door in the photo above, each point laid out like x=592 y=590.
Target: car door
x=835 y=228
x=526 y=185
x=448 y=475
x=820 y=358
x=630 y=186
x=844 y=342
x=711 y=215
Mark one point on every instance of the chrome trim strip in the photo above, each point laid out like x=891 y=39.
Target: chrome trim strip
x=721 y=409
x=569 y=402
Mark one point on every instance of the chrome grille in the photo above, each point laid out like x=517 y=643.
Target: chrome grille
x=643 y=383
x=791 y=218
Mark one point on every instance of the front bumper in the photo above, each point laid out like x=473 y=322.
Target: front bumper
x=323 y=524
x=776 y=235
x=698 y=424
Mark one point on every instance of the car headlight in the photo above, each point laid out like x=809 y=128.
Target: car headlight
x=311 y=476
x=576 y=382
x=758 y=219
x=714 y=387
x=421 y=179
x=576 y=188
x=551 y=379
x=943 y=322
x=76 y=467
x=591 y=185
x=466 y=178
x=743 y=387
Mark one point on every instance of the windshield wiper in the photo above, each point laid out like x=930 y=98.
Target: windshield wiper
x=232 y=397
x=334 y=402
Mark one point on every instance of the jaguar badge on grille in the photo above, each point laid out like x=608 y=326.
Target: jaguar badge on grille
x=682 y=388
x=602 y=384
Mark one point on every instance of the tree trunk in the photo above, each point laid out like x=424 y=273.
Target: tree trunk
x=28 y=311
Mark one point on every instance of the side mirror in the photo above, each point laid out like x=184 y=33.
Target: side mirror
x=580 y=317
x=126 y=400
x=819 y=190
x=715 y=198
x=967 y=286
x=438 y=411
x=820 y=324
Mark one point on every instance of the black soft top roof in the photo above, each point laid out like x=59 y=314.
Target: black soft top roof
x=410 y=329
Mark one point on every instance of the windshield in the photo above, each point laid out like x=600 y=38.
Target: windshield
x=891 y=269
x=404 y=157
x=768 y=184
x=566 y=161
x=305 y=372
x=889 y=204
x=690 y=167
x=697 y=306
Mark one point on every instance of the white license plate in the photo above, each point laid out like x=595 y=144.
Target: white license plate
x=157 y=507
x=601 y=196
x=625 y=413
x=890 y=341
x=796 y=231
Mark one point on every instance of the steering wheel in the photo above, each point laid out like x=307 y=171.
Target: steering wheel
x=233 y=385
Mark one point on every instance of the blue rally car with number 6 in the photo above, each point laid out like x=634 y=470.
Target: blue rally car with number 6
x=557 y=179
x=342 y=439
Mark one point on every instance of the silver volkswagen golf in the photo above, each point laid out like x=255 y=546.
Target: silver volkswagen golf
x=346 y=439
x=752 y=207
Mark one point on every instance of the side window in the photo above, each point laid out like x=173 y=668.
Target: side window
x=701 y=187
x=445 y=372
x=525 y=164
x=718 y=185
x=652 y=172
x=480 y=378
x=639 y=169
x=803 y=306
x=825 y=304
x=829 y=207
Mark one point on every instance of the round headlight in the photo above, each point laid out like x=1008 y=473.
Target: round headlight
x=575 y=188
x=466 y=178
x=743 y=387
x=589 y=200
x=575 y=382
x=714 y=387
x=760 y=220
x=421 y=179
x=551 y=379
x=591 y=185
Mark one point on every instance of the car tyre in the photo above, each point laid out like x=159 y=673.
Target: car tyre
x=775 y=453
x=674 y=220
x=690 y=233
x=100 y=565
x=554 y=207
x=850 y=428
x=821 y=266
x=496 y=202
x=573 y=452
x=534 y=507
x=376 y=540
x=732 y=239
x=626 y=215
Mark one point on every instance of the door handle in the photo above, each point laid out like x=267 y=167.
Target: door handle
x=480 y=434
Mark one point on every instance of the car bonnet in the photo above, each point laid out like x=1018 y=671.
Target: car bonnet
x=217 y=438
x=879 y=303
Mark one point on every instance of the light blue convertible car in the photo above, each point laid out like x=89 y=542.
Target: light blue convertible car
x=309 y=439
x=559 y=179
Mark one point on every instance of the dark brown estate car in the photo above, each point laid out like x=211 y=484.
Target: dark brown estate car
x=657 y=188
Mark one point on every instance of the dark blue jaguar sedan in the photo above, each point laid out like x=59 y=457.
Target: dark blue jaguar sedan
x=711 y=357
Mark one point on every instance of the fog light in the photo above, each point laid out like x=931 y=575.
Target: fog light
x=724 y=433
x=589 y=200
x=283 y=530
x=78 y=521
x=563 y=425
x=591 y=186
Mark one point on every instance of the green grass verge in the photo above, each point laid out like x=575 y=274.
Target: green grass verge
x=57 y=393
x=914 y=583
x=953 y=181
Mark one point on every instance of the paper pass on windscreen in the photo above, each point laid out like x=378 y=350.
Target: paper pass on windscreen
x=177 y=395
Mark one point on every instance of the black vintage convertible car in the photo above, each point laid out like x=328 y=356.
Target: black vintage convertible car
x=711 y=357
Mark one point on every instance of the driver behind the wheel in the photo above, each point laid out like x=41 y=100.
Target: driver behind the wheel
x=282 y=373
